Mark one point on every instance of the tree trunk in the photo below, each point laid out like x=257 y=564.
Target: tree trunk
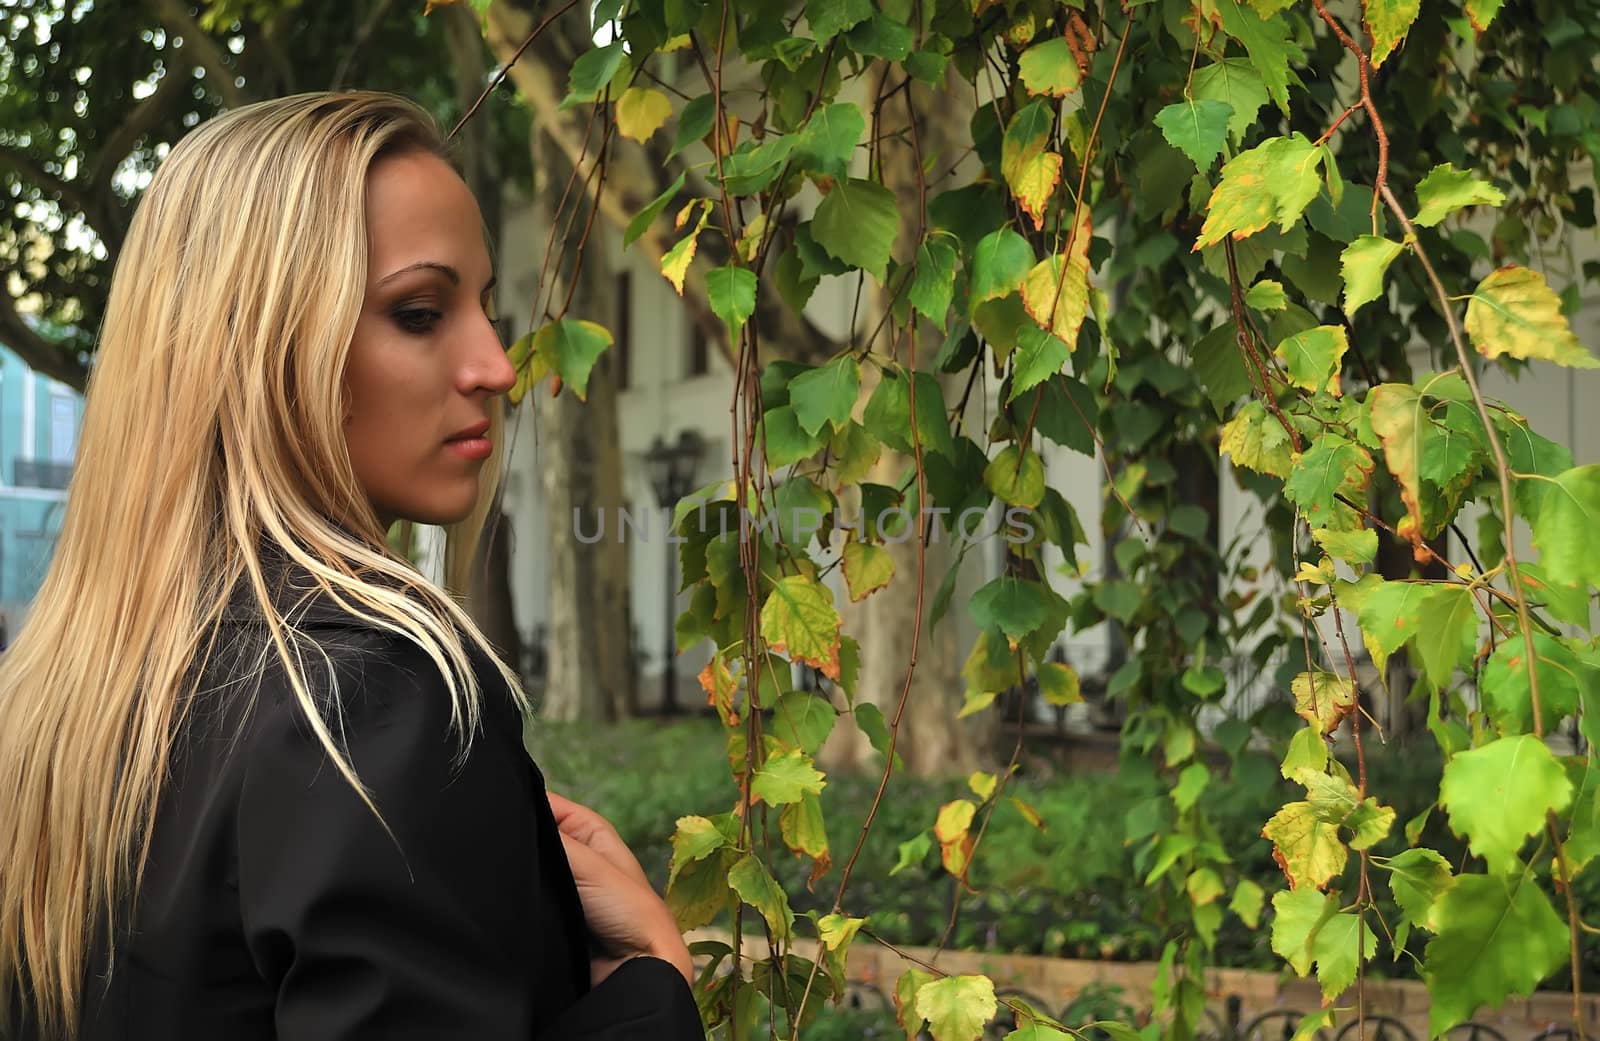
x=579 y=465
x=489 y=589
x=932 y=740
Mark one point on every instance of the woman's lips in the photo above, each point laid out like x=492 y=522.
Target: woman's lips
x=471 y=447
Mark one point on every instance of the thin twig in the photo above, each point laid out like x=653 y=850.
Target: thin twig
x=506 y=68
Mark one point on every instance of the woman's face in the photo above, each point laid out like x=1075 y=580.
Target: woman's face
x=425 y=359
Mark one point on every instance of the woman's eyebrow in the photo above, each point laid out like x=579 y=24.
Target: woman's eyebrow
x=433 y=265
x=422 y=265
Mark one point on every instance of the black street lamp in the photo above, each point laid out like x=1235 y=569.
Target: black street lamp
x=672 y=472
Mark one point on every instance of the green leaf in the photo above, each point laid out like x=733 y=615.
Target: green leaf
x=1563 y=676
x=1219 y=368
x=647 y=216
x=1246 y=902
x=869 y=718
x=1341 y=944
x=1018 y=483
x=1388 y=21
x=1446 y=190
x=1313 y=357
x=927 y=66
x=1274 y=181
x=1447 y=632
x=1533 y=456
x=1039 y=356
x=1496 y=936
x=1297 y=916
x=1015 y=606
x=1198 y=129
x=1049 y=68
x=856 y=223
x=1332 y=465
x=866 y=568
x=786 y=777
x=1418 y=877
x=592 y=72
x=957 y=1007
x=1363 y=264
x=829 y=18
x=571 y=347
x=1565 y=600
x=935 y=280
x=694 y=122
x=731 y=292
x=799 y=620
x=1498 y=795
x=1269 y=45
x=881 y=37
x=1565 y=527
x=1352 y=547
x=829 y=139
x=1059 y=684
x=753 y=167
x=784 y=440
x=888 y=413
x=1482 y=12
x=1307 y=750
x=804 y=720
x=1000 y=261
x=825 y=395
x=1266 y=295
x=756 y=887
x=1191 y=782
x=1390 y=614
x=1236 y=82
x=837 y=930
x=1306 y=847
x=1513 y=311
x=905 y=1000
x=1397 y=410
x=700 y=890
x=695 y=839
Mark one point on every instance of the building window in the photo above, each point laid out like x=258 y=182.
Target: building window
x=699 y=350
x=624 y=327
x=63 y=428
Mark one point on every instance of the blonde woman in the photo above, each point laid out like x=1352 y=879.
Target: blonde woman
x=258 y=777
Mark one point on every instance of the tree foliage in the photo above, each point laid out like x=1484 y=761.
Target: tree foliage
x=1294 y=234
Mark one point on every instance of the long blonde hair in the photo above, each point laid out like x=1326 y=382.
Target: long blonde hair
x=213 y=428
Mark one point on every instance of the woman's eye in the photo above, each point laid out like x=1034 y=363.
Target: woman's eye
x=417 y=320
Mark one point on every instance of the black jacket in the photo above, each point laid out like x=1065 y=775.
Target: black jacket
x=275 y=906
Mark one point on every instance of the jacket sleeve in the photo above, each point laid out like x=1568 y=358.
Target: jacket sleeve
x=438 y=926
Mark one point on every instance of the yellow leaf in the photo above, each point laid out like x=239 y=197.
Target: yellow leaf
x=641 y=111
x=1059 y=302
x=1513 y=311
x=952 y=828
x=1306 y=848
x=675 y=262
x=799 y=619
x=1323 y=699
x=1035 y=180
x=867 y=568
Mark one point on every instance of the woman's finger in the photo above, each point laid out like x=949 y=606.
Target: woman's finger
x=579 y=822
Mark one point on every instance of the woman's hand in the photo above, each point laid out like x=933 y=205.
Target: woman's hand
x=625 y=916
